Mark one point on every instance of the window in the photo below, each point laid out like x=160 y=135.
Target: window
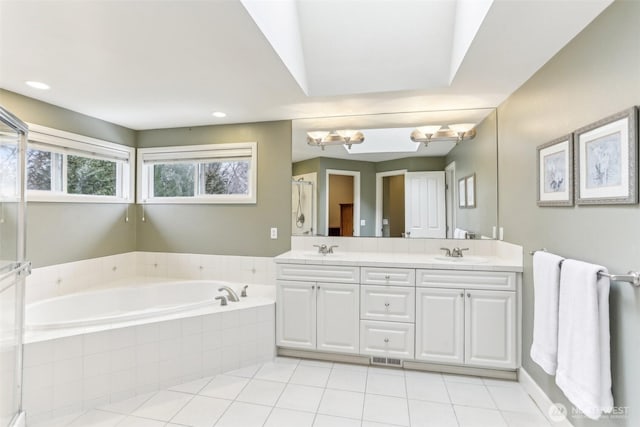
x=214 y=173
x=63 y=167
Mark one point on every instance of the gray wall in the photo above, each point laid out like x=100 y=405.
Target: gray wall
x=64 y=232
x=226 y=229
x=596 y=75
x=479 y=156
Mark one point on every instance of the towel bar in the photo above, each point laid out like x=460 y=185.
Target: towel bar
x=632 y=277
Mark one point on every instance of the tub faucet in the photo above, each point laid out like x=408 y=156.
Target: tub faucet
x=231 y=294
x=243 y=294
x=223 y=299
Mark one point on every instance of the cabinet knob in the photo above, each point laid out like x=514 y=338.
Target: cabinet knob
x=386 y=340
x=313 y=286
x=318 y=286
x=386 y=304
x=461 y=294
x=387 y=277
x=468 y=295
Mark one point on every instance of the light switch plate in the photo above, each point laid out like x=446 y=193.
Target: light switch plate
x=274 y=233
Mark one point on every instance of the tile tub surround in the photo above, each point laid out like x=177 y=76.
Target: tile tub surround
x=305 y=393
x=67 y=375
x=114 y=270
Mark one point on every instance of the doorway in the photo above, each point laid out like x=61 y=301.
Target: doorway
x=343 y=203
x=390 y=203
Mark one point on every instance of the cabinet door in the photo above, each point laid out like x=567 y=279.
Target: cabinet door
x=490 y=337
x=296 y=314
x=338 y=317
x=440 y=325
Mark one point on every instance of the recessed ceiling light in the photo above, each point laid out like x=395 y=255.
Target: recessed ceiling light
x=219 y=114
x=38 y=85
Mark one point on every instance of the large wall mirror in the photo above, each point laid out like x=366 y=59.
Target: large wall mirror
x=391 y=186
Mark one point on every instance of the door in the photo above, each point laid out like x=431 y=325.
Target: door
x=440 y=325
x=346 y=219
x=338 y=317
x=490 y=337
x=13 y=266
x=425 y=204
x=450 y=197
x=296 y=314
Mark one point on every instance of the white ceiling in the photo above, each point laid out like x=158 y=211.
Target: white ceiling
x=157 y=64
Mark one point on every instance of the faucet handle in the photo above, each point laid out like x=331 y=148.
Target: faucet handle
x=330 y=250
x=243 y=294
x=223 y=299
x=447 y=251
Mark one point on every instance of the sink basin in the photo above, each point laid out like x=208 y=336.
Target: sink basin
x=463 y=260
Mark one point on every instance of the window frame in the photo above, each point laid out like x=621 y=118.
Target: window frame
x=66 y=143
x=196 y=154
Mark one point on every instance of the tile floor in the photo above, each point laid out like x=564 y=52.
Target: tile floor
x=289 y=392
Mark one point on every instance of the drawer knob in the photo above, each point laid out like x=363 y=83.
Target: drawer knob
x=468 y=295
x=386 y=304
x=386 y=340
x=313 y=286
x=387 y=277
x=461 y=294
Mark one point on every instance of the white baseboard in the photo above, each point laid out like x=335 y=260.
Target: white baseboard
x=540 y=397
x=19 y=421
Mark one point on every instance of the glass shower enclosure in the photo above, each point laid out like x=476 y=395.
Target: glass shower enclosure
x=13 y=266
x=302 y=208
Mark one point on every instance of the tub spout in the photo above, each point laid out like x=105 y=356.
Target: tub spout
x=231 y=294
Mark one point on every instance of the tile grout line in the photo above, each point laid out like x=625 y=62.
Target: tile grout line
x=280 y=395
x=446 y=388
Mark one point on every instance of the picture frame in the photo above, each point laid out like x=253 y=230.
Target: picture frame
x=606 y=164
x=555 y=172
x=462 y=193
x=470 y=184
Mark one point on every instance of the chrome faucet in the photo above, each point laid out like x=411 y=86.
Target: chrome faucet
x=243 y=294
x=447 y=251
x=223 y=299
x=231 y=294
x=457 y=252
x=324 y=249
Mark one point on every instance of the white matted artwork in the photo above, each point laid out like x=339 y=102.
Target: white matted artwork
x=606 y=160
x=555 y=172
x=471 y=190
x=462 y=192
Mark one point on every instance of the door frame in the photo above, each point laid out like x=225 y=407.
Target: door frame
x=356 y=198
x=379 y=176
x=450 y=197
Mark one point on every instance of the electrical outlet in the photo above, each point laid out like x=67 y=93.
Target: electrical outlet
x=274 y=233
x=363 y=222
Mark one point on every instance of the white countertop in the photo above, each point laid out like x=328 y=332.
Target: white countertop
x=401 y=260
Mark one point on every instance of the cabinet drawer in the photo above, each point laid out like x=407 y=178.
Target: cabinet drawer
x=318 y=273
x=388 y=303
x=467 y=279
x=386 y=338
x=387 y=276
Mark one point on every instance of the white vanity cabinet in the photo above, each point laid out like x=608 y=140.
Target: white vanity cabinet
x=320 y=312
x=467 y=325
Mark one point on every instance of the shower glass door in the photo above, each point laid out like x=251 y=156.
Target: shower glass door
x=13 y=268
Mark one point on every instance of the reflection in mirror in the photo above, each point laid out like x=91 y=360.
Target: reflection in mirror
x=391 y=186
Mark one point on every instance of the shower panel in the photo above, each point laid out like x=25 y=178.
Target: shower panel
x=13 y=266
x=302 y=208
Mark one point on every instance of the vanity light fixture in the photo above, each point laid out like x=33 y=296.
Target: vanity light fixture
x=346 y=137
x=455 y=132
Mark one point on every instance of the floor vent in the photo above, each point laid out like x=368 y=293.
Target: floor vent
x=386 y=361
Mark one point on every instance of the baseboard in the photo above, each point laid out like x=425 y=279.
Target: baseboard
x=540 y=397
x=19 y=421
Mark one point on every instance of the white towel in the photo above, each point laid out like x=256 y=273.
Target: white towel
x=546 y=287
x=584 y=360
x=459 y=233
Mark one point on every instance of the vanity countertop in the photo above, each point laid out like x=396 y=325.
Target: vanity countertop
x=402 y=260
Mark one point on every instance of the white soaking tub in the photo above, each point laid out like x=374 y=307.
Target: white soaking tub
x=87 y=349
x=124 y=304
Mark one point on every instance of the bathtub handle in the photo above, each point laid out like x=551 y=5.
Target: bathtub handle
x=223 y=300
x=244 y=291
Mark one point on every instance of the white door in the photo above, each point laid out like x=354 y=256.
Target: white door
x=440 y=325
x=338 y=317
x=296 y=314
x=425 y=214
x=490 y=337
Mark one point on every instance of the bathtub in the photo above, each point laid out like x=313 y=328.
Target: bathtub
x=88 y=349
x=124 y=304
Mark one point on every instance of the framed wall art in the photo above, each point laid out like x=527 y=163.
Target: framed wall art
x=606 y=166
x=555 y=172
x=471 y=190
